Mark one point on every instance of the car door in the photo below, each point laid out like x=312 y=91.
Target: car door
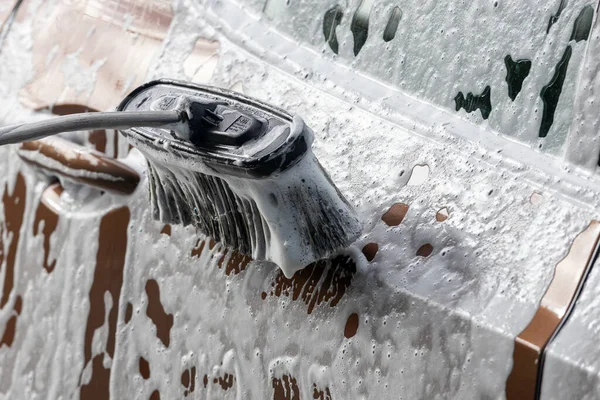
x=462 y=132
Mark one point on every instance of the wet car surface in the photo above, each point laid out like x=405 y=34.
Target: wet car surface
x=475 y=175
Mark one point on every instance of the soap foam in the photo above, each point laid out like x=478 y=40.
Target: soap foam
x=292 y=218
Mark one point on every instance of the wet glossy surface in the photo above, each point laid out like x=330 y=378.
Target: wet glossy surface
x=531 y=342
x=65 y=159
x=6 y=9
x=109 y=44
x=47 y=216
x=421 y=319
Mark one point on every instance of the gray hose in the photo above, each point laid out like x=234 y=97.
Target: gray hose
x=86 y=121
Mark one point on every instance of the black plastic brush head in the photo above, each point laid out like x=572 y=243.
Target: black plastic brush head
x=243 y=174
x=218 y=124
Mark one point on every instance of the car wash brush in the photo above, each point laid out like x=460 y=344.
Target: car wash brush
x=239 y=170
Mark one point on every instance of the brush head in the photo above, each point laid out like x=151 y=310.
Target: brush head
x=244 y=174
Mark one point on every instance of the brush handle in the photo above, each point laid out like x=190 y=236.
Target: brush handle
x=88 y=121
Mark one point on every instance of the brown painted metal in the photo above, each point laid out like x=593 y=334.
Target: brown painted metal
x=108 y=279
x=48 y=212
x=529 y=345
x=10 y=227
x=80 y=164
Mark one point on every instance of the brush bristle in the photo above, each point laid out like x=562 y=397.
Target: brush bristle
x=290 y=219
x=207 y=202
